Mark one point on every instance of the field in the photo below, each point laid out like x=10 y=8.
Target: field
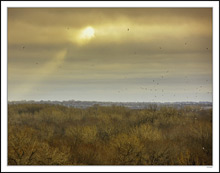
x=43 y=134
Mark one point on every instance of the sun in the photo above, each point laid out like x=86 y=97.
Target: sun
x=87 y=33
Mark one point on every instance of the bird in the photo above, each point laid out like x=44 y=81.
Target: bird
x=23 y=47
x=128 y=29
x=36 y=63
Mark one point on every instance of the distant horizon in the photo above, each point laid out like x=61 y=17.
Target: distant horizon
x=112 y=101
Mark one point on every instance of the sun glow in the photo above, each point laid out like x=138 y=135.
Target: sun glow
x=87 y=33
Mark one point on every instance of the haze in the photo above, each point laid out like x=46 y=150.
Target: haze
x=110 y=54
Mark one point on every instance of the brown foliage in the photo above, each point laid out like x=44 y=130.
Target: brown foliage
x=40 y=134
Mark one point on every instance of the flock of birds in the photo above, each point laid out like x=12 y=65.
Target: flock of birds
x=159 y=92
x=154 y=89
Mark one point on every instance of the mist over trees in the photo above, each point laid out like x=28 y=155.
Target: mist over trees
x=43 y=134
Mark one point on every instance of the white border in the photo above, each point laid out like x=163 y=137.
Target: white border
x=216 y=86
x=110 y=4
x=213 y=4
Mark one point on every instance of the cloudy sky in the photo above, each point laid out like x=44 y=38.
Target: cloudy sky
x=110 y=54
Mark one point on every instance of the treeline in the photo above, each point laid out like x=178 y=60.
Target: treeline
x=42 y=134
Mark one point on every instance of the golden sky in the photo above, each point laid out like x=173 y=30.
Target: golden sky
x=110 y=54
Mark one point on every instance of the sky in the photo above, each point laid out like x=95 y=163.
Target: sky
x=110 y=54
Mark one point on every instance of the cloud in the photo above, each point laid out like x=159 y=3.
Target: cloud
x=130 y=46
x=77 y=17
x=55 y=25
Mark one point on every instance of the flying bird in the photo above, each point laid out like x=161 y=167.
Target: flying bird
x=128 y=29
